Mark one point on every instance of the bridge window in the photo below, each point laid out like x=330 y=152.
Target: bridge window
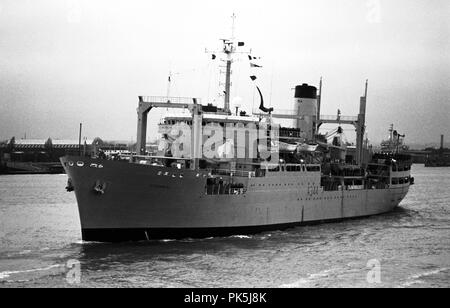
x=312 y=168
x=276 y=169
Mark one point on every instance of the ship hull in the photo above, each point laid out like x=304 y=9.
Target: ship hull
x=121 y=201
x=142 y=234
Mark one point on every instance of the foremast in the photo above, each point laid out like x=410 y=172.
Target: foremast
x=229 y=49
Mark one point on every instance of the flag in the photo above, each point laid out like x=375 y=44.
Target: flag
x=254 y=65
x=213 y=56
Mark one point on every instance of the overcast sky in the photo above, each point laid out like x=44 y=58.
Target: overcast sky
x=66 y=62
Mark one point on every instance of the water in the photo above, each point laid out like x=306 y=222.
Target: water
x=40 y=246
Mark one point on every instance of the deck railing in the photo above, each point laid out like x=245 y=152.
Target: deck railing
x=338 y=118
x=228 y=172
x=169 y=99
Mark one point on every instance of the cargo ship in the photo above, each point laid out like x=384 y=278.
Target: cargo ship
x=222 y=172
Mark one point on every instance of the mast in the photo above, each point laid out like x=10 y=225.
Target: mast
x=79 y=140
x=169 y=84
x=226 y=105
x=360 y=128
x=391 y=136
x=319 y=100
x=229 y=49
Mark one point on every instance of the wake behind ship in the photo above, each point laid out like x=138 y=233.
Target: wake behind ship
x=220 y=172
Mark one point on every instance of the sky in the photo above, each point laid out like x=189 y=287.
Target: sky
x=77 y=61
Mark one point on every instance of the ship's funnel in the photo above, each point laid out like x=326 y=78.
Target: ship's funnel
x=305 y=105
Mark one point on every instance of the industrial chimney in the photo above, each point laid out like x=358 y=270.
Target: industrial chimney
x=305 y=101
x=442 y=142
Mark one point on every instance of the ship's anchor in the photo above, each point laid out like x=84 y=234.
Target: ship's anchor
x=99 y=187
x=69 y=186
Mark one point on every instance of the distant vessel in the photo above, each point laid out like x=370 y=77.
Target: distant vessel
x=394 y=142
x=294 y=176
x=32 y=168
